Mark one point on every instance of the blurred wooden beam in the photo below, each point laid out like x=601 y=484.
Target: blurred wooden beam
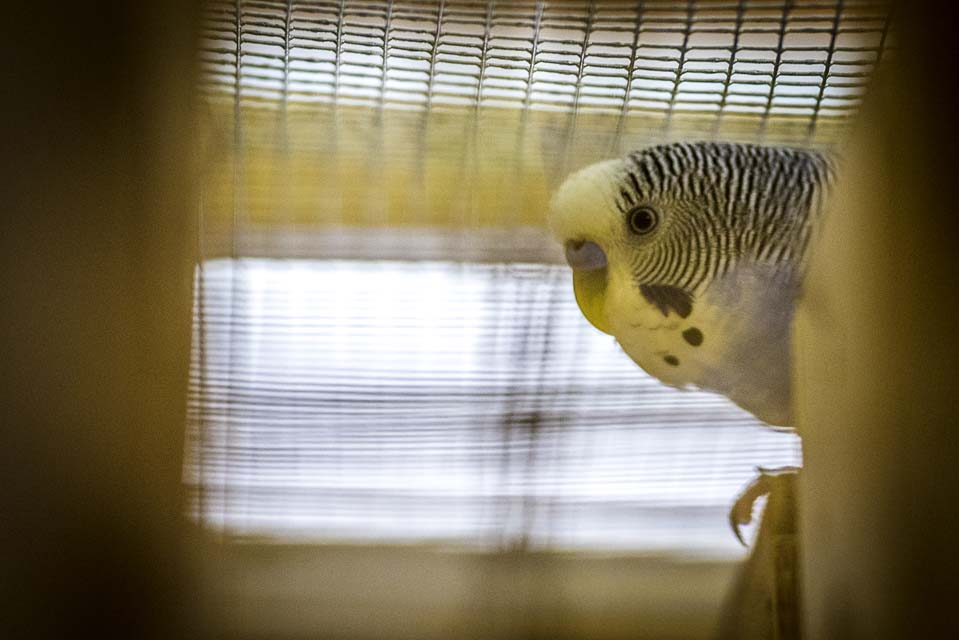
x=877 y=345
x=97 y=241
x=372 y=592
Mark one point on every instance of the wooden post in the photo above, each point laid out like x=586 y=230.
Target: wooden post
x=97 y=238
x=877 y=341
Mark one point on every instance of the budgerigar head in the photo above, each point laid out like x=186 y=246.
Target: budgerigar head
x=676 y=242
x=638 y=228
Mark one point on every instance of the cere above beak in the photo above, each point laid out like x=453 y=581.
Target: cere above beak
x=584 y=255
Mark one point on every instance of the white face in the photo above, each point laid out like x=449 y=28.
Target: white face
x=584 y=206
x=620 y=243
x=596 y=205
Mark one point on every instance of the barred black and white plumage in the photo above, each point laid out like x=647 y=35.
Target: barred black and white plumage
x=691 y=255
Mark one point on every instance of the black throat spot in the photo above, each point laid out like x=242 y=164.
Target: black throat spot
x=668 y=298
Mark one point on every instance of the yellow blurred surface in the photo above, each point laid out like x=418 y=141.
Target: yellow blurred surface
x=448 y=168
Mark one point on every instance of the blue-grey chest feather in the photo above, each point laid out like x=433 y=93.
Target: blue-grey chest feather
x=753 y=367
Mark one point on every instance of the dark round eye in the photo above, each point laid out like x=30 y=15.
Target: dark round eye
x=642 y=220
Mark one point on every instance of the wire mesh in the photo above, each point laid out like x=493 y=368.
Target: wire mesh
x=384 y=347
x=811 y=59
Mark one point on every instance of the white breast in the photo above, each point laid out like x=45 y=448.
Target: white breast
x=735 y=341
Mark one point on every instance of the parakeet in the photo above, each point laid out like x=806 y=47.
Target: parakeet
x=692 y=255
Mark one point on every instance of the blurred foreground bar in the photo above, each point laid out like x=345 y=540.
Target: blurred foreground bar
x=877 y=350
x=97 y=243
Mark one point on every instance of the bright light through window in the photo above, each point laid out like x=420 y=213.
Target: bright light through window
x=459 y=404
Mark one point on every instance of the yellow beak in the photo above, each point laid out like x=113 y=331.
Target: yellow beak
x=590 y=267
x=589 y=285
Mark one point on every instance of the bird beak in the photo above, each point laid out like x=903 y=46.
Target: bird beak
x=589 y=280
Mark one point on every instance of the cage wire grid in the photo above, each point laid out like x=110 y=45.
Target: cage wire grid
x=809 y=59
x=421 y=373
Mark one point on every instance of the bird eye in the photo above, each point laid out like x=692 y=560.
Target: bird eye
x=642 y=220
